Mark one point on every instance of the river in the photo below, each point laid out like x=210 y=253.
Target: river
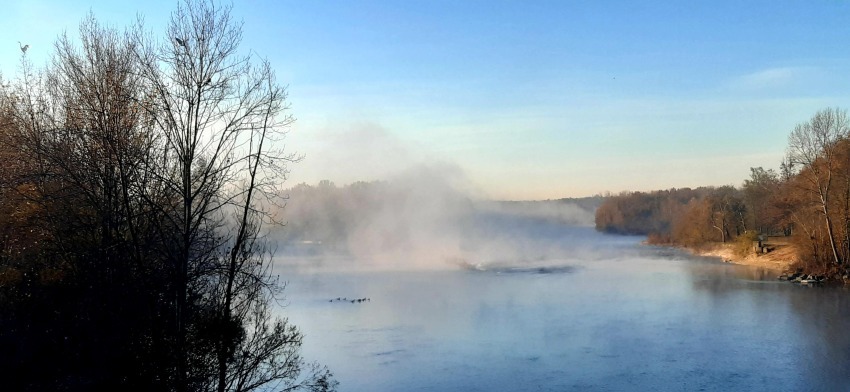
x=595 y=312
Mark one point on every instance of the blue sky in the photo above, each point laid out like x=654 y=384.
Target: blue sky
x=530 y=100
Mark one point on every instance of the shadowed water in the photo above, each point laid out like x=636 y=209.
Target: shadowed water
x=595 y=312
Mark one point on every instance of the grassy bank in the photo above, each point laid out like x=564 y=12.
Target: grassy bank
x=781 y=258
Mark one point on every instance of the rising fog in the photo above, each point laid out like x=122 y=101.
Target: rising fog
x=424 y=217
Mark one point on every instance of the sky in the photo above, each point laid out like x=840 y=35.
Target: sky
x=529 y=99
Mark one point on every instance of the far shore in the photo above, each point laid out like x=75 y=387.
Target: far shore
x=781 y=259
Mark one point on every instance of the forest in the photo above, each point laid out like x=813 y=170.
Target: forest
x=807 y=201
x=139 y=172
x=419 y=218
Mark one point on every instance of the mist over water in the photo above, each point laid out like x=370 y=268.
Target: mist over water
x=467 y=295
x=634 y=318
x=426 y=217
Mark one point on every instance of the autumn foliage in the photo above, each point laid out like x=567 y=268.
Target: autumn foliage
x=135 y=178
x=808 y=201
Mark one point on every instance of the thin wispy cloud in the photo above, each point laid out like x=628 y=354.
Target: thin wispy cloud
x=527 y=100
x=771 y=78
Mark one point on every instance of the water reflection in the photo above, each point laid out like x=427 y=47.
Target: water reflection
x=805 y=325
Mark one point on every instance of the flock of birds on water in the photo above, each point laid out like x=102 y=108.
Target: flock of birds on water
x=355 y=300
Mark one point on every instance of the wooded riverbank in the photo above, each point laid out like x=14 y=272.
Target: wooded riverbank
x=806 y=204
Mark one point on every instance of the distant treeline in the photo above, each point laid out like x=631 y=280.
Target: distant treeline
x=385 y=215
x=694 y=216
x=807 y=200
x=374 y=214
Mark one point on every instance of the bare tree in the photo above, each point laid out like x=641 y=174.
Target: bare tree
x=146 y=168
x=813 y=146
x=83 y=157
x=757 y=192
x=222 y=117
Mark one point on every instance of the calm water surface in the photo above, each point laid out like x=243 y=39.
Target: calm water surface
x=595 y=312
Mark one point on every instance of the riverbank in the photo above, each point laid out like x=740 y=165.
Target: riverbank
x=781 y=259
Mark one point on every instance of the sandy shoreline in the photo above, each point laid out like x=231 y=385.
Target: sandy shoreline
x=781 y=259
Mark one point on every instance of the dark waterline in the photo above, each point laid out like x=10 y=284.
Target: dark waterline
x=601 y=313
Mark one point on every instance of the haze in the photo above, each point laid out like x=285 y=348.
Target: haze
x=530 y=101
x=440 y=233
x=425 y=218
